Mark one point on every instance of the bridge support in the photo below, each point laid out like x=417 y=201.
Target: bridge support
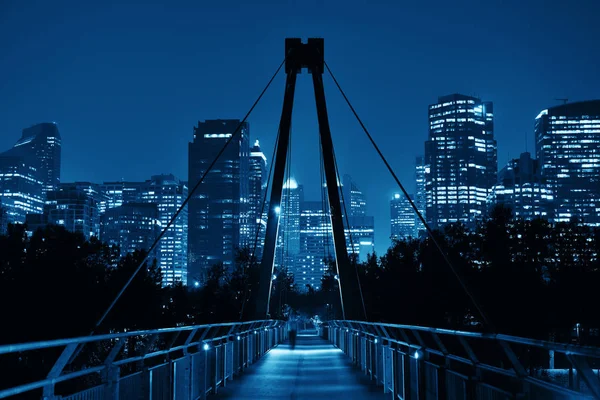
x=310 y=56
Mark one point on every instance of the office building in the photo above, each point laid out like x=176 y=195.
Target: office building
x=402 y=218
x=132 y=226
x=521 y=188
x=460 y=160
x=43 y=141
x=359 y=228
x=258 y=181
x=219 y=207
x=356 y=203
x=316 y=245
x=420 y=194
x=288 y=237
x=567 y=139
x=76 y=206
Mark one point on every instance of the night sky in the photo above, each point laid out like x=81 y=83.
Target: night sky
x=127 y=82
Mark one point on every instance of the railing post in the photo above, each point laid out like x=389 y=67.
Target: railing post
x=111 y=374
x=59 y=365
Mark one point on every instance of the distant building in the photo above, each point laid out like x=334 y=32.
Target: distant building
x=521 y=188
x=258 y=179
x=288 y=237
x=402 y=217
x=76 y=206
x=168 y=193
x=44 y=142
x=219 y=208
x=359 y=228
x=132 y=226
x=567 y=139
x=460 y=160
x=420 y=194
x=316 y=245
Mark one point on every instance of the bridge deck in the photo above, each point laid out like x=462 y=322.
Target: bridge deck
x=315 y=369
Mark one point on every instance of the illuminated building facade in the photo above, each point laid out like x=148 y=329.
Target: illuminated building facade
x=168 y=194
x=44 y=142
x=288 y=237
x=76 y=206
x=258 y=179
x=567 y=139
x=132 y=226
x=316 y=245
x=219 y=208
x=420 y=194
x=521 y=188
x=29 y=170
x=402 y=217
x=359 y=229
x=460 y=160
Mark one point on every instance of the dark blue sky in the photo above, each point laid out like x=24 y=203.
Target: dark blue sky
x=126 y=82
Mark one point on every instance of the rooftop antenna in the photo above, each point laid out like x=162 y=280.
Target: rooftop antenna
x=563 y=100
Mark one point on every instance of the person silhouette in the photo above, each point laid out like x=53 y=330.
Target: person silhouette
x=293 y=331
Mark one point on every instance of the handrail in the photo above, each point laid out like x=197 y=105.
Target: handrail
x=45 y=344
x=195 y=336
x=574 y=349
x=500 y=360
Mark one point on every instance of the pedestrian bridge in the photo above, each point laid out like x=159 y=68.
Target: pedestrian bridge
x=341 y=359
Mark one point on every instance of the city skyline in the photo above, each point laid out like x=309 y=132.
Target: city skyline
x=152 y=123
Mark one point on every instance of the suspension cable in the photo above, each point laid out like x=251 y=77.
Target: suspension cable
x=166 y=228
x=418 y=213
x=354 y=257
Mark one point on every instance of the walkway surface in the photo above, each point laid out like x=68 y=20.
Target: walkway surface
x=315 y=369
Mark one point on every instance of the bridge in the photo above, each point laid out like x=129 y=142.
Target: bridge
x=349 y=358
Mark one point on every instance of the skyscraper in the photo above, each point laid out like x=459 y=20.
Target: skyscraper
x=316 y=245
x=132 y=226
x=402 y=217
x=76 y=206
x=219 y=207
x=360 y=234
x=460 y=160
x=258 y=178
x=168 y=193
x=288 y=237
x=521 y=188
x=420 y=193
x=44 y=142
x=567 y=144
x=356 y=204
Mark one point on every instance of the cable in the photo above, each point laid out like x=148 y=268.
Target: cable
x=160 y=236
x=429 y=230
x=362 y=298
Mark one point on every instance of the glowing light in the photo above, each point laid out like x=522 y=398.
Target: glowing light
x=238 y=338
x=396 y=195
x=376 y=340
x=206 y=347
x=196 y=284
x=277 y=209
x=290 y=184
x=274 y=277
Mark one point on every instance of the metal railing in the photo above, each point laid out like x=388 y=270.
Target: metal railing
x=429 y=363
x=173 y=363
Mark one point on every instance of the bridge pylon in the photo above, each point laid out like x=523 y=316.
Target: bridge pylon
x=299 y=56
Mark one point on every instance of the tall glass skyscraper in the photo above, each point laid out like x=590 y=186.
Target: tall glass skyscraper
x=402 y=217
x=76 y=206
x=316 y=245
x=288 y=237
x=460 y=160
x=360 y=234
x=132 y=226
x=356 y=203
x=44 y=142
x=168 y=193
x=258 y=179
x=567 y=144
x=420 y=193
x=219 y=207
x=521 y=188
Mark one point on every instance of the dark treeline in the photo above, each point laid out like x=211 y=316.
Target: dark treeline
x=531 y=278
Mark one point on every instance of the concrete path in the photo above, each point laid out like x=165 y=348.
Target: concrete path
x=315 y=369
